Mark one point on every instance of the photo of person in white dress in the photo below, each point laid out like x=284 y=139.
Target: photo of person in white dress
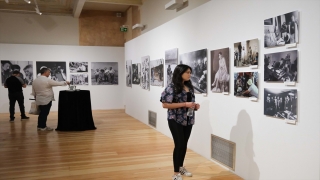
x=220 y=75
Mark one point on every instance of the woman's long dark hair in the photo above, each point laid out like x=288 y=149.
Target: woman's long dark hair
x=177 y=78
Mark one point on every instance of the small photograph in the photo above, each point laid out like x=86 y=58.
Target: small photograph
x=136 y=73
x=198 y=61
x=145 y=76
x=24 y=67
x=79 y=79
x=76 y=67
x=246 y=53
x=281 y=66
x=220 y=75
x=129 y=73
x=156 y=68
x=281 y=103
x=246 y=84
x=171 y=61
x=282 y=30
x=104 y=73
x=58 y=69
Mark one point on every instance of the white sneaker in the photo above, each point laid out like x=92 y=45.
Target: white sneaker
x=184 y=171
x=45 y=129
x=177 y=177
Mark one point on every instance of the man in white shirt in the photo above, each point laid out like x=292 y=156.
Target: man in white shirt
x=43 y=93
x=253 y=89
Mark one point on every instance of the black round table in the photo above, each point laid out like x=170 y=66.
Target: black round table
x=74 y=111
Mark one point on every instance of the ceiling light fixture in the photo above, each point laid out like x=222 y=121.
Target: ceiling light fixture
x=27 y=1
x=7 y=1
x=37 y=8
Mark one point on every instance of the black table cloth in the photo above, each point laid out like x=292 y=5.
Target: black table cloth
x=74 y=111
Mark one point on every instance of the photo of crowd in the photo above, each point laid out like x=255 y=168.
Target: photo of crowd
x=198 y=61
x=246 y=53
x=136 y=73
x=220 y=76
x=171 y=61
x=281 y=103
x=156 y=68
x=24 y=67
x=246 y=84
x=282 y=30
x=104 y=73
x=78 y=67
x=281 y=66
x=79 y=79
x=58 y=69
x=145 y=76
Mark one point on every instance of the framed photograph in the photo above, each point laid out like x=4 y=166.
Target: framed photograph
x=79 y=79
x=282 y=30
x=76 y=67
x=220 y=74
x=58 y=69
x=246 y=53
x=136 y=73
x=145 y=76
x=281 y=103
x=246 y=84
x=156 y=68
x=198 y=61
x=104 y=73
x=24 y=67
x=171 y=61
x=281 y=66
x=129 y=73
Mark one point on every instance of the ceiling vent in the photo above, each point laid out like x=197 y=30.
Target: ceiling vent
x=173 y=4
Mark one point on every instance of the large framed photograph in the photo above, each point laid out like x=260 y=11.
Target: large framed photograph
x=104 y=73
x=156 y=68
x=24 y=67
x=220 y=74
x=145 y=76
x=129 y=73
x=136 y=73
x=79 y=79
x=246 y=84
x=198 y=61
x=171 y=61
x=281 y=66
x=58 y=69
x=246 y=53
x=282 y=30
x=281 y=103
x=76 y=67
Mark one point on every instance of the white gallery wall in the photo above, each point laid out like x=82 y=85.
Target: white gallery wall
x=102 y=96
x=266 y=148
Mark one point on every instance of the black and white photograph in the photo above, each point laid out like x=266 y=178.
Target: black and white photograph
x=78 y=67
x=136 y=73
x=281 y=66
x=246 y=53
x=24 y=67
x=282 y=30
x=129 y=73
x=171 y=61
x=246 y=84
x=281 y=103
x=58 y=69
x=220 y=74
x=198 y=61
x=79 y=79
x=145 y=76
x=104 y=73
x=156 y=70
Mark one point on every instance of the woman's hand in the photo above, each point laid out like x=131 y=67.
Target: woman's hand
x=190 y=104
x=197 y=106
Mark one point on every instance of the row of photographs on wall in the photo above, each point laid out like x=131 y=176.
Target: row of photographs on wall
x=102 y=73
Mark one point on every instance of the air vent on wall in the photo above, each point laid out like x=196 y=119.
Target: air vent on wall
x=152 y=118
x=119 y=14
x=223 y=151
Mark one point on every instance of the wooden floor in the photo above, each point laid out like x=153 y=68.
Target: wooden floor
x=121 y=148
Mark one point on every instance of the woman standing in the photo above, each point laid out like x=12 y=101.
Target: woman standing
x=177 y=98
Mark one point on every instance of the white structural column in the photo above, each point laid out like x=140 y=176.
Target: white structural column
x=78 y=5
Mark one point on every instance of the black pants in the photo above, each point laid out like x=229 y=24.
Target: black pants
x=180 y=136
x=44 y=112
x=13 y=97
